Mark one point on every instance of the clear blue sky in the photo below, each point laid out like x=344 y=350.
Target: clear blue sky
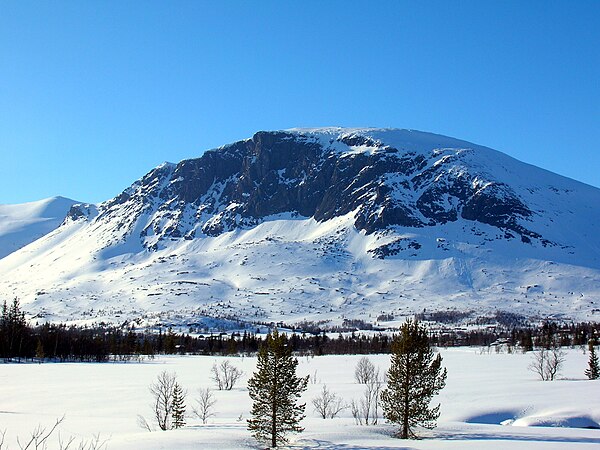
x=94 y=94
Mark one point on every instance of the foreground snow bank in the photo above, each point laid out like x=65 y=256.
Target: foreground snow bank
x=565 y=419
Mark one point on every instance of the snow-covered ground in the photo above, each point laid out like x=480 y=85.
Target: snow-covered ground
x=483 y=391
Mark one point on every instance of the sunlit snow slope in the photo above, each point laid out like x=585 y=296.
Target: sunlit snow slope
x=322 y=225
x=24 y=223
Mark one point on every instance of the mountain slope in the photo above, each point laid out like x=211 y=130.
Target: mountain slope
x=323 y=224
x=24 y=223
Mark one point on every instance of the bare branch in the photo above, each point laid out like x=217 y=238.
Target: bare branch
x=364 y=371
x=39 y=436
x=206 y=402
x=225 y=375
x=162 y=390
x=547 y=363
x=327 y=404
x=39 y=440
x=143 y=423
x=366 y=409
x=65 y=445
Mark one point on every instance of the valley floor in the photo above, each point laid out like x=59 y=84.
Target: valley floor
x=483 y=391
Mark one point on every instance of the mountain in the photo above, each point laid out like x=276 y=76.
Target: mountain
x=323 y=225
x=22 y=224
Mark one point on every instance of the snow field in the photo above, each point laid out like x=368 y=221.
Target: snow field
x=483 y=391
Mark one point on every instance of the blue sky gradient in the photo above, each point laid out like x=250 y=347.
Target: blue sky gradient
x=95 y=94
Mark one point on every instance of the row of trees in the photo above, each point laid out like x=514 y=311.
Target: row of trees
x=19 y=340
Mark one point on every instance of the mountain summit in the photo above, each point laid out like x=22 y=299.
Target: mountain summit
x=324 y=224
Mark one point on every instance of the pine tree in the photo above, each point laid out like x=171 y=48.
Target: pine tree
x=414 y=377
x=593 y=370
x=275 y=389
x=170 y=342
x=178 y=407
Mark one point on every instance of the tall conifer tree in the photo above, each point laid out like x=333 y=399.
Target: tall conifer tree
x=275 y=389
x=414 y=377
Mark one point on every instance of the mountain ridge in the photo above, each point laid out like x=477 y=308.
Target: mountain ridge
x=375 y=220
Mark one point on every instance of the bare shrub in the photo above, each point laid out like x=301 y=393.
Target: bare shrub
x=547 y=363
x=327 y=404
x=354 y=409
x=162 y=391
x=555 y=363
x=40 y=438
x=143 y=423
x=225 y=375
x=205 y=404
x=364 y=371
x=366 y=409
x=95 y=444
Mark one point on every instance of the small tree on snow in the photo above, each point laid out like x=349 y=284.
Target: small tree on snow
x=205 y=404
x=162 y=391
x=327 y=404
x=593 y=370
x=225 y=375
x=366 y=409
x=414 y=377
x=274 y=389
x=547 y=363
x=178 y=411
x=364 y=371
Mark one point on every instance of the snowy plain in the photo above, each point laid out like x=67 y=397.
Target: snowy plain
x=483 y=391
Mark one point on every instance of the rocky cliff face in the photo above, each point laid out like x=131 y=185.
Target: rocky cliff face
x=424 y=181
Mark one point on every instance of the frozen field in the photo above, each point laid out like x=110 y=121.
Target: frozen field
x=483 y=391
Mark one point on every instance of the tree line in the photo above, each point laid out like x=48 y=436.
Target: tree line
x=19 y=340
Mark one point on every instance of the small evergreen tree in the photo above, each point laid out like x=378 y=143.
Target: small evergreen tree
x=170 y=342
x=414 y=377
x=178 y=407
x=593 y=370
x=275 y=389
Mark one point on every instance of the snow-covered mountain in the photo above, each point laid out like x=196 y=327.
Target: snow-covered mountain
x=323 y=225
x=24 y=223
